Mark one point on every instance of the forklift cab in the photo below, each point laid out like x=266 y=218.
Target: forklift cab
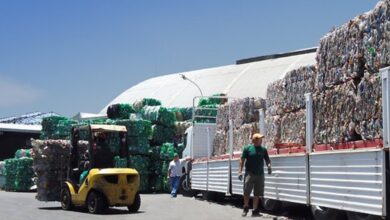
x=102 y=185
x=95 y=146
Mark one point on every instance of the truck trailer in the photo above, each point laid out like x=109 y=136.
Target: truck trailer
x=346 y=179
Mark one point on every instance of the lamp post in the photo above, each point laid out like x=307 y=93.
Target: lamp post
x=186 y=78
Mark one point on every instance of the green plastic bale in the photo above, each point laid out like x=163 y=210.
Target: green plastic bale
x=166 y=187
x=120 y=162
x=56 y=127
x=162 y=134
x=151 y=102
x=139 y=104
x=156 y=183
x=10 y=173
x=158 y=115
x=213 y=101
x=144 y=183
x=120 y=111
x=24 y=174
x=141 y=163
x=23 y=153
x=137 y=128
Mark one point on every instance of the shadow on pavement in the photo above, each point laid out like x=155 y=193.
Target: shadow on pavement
x=110 y=211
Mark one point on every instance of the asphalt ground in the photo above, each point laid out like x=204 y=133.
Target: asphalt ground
x=22 y=206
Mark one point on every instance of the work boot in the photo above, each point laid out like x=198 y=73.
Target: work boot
x=256 y=213
x=245 y=211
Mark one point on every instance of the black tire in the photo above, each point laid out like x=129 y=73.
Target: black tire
x=272 y=205
x=95 y=202
x=362 y=216
x=185 y=187
x=212 y=196
x=136 y=204
x=322 y=213
x=66 y=199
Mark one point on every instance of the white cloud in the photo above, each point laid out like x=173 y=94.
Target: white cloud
x=14 y=93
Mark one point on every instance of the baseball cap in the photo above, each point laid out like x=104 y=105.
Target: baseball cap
x=257 y=136
x=175 y=155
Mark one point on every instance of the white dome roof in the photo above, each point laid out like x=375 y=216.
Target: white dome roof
x=239 y=81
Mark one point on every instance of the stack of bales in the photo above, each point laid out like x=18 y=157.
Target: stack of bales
x=50 y=159
x=349 y=59
x=244 y=114
x=19 y=172
x=285 y=115
x=56 y=127
x=2 y=174
x=161 y=157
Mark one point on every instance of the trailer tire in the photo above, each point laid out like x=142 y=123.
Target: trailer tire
x=322 y=213
x=272 y=205
x=185 y=187
x=362 y=216
x=212 y=196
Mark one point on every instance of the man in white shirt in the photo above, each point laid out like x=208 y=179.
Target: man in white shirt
x=175 y=172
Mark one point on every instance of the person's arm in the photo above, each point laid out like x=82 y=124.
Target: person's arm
x=242 y=162
x=266 y=158
x=267 y=161
x=169 y=170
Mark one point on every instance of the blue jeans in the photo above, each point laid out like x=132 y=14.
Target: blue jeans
x=175 y=182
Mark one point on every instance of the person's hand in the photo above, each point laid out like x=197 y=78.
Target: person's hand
x=240 y=176
x=269 y=170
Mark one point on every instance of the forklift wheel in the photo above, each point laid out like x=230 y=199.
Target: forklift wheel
x=95 y=202
x=136 y=204
x=66 y=199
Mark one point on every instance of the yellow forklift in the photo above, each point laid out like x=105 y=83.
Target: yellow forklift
x=92 y=180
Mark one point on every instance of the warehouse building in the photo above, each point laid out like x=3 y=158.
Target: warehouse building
x=246 y=78
x=16 y=132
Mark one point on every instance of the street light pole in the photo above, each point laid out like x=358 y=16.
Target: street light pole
x=186 y=78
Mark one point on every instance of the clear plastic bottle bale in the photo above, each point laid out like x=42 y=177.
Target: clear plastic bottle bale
x=272 y=136
x=296 y=84
x=293 y=128
x=334 y=110
x=275 y=97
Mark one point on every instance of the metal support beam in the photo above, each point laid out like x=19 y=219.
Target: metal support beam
x=309 y=122
x=309 y=140
x=262 y=127
x=385 y=73
x=230 y=136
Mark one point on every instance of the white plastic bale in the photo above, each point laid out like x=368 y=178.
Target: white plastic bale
x=293 y=128
x=275 y=98
x=220 y=143
x=296 y=84
x=240 y=111
x=272 y=135
x=334 y=110
x=50 y=159
x=361 y=44
x=243 y=135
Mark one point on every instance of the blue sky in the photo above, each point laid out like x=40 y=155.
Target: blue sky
x=71 y=56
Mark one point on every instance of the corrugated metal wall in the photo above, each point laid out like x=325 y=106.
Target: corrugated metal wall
x=219 y=174
x=288 y=181
x=351 y=181
x=199 y=176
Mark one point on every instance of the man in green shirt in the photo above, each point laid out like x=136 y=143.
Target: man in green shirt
x=253 y=156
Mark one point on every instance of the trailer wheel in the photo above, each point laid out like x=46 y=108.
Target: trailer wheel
x=212 y=196
x=272 y=205
x=362 y=216
x=322 y=213
x=185 y=187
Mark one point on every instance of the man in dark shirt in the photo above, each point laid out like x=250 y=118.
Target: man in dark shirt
x=253 y=156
